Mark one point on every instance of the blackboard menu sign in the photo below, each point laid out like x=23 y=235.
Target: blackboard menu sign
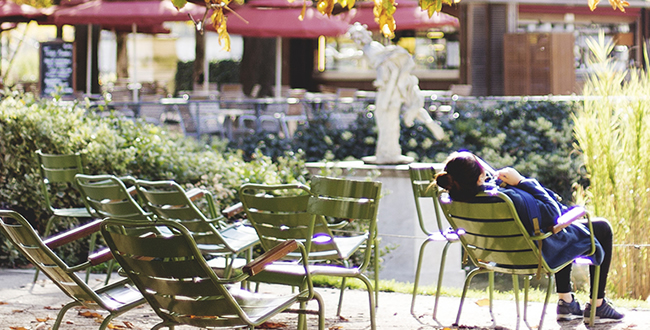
x=57 y=68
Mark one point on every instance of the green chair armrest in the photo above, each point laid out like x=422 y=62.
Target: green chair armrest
x=233 y=210
x=100 y=256
x=73 y=234
x=568 y=218
x=278 y=252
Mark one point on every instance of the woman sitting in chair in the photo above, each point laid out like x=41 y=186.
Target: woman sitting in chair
x=464 y=176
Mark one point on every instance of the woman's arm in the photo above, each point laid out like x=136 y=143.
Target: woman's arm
x=549 y=208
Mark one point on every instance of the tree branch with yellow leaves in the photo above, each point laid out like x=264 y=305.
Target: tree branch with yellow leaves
x=383 y=11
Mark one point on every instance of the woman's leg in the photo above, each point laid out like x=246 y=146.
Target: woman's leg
x=563 y=280
x=603 y=233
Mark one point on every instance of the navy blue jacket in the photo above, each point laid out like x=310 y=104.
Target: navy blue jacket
x=531 y=201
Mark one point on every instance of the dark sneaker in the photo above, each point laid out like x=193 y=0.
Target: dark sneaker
x=568 y=311
x=603 y=313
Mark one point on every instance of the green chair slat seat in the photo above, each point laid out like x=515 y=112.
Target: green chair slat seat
x=421 y=176
x=116 y=298
x=213 y=235
x=183 y=289
x=301 y=213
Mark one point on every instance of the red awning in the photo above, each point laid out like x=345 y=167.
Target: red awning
x=12 y=12
x=142 y=13
x=279 y=18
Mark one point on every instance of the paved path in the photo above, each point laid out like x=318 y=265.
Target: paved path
x=34 y=306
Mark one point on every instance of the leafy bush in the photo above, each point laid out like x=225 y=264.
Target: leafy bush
x=533 y=137
x=116 y=146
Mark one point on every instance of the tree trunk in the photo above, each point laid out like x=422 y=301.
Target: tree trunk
x=258 y=65
x=197 y=74
x=122 y=55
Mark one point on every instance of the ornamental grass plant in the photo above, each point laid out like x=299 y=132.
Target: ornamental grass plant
x=612 y=132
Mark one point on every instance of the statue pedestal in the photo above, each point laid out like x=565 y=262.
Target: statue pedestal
x=398 y=226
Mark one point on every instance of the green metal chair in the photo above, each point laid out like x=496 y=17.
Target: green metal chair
x=168 y=200
x=181 y=287
x=57 y=173
x=496 y=241
x=115 y=298
x=108 y=196
x=421 y=177
x=294 y=211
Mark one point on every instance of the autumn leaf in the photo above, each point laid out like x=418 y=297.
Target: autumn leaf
x=90 y=314
x=38 y=319
x=435 y=6
x=18 y=328
x=483 y=302
x=219 y=20
x=272 y=325
x=383 y=11
x=325 y=7
x=179 y=3
x=4 y=303
x=128 y=324
x=619 y=4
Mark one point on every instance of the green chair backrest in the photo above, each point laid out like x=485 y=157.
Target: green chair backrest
x=56 y=170
x=355 y=200
x=279 y=213
x=494 y=236
x=171 y=273
x=108 y=196
x=26 y=240
x=421 y=177
x=168 y=200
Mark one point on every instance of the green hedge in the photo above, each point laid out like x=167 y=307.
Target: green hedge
x=115 y=146
x=534 y=137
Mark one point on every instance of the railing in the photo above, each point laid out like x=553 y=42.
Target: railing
x=235 y=118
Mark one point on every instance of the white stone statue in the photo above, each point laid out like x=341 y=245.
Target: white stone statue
x=397 y=90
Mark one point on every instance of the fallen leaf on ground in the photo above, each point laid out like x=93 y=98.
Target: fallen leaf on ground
x=18 y=328
x=18 y=311
x=40 y=319
x=128 y=324
x=115 y=326
x=341 y=318
x=4 y=303
x=483 y=302
x=51 y=308
x=69 y=322
x=336 y=327
x=272 y=325
x=90 y=314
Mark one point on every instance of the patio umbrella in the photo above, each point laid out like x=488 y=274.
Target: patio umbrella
x=280 y=19
x=12 y=12
x=408 y=16
x=124 y=13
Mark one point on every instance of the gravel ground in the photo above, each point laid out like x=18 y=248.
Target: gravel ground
x=24 y=305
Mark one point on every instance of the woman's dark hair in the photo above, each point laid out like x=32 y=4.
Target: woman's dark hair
x=460 y=176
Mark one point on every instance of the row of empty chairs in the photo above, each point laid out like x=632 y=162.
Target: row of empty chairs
x=130 y=209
